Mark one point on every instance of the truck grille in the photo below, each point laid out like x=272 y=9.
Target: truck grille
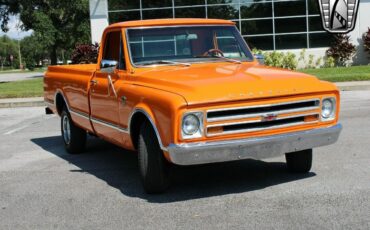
x=262 y=117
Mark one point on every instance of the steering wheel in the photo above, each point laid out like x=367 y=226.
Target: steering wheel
x=214 y=52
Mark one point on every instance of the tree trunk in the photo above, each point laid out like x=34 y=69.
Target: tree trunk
x=53 y=56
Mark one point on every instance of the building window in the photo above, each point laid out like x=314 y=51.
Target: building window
x=265 y=24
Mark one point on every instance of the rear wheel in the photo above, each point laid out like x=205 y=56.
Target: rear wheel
x=152 y=164
x=299 y=162
x=74 y=138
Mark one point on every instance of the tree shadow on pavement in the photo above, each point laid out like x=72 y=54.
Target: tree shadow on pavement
x=118 y=168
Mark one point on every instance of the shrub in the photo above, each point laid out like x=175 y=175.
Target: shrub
x=366 y=38
x=274 y=58
x=290 y=61
x=329 y=62
x=256 y=51
x=85 y=53
x=285 y=60
x=318 y=62
x=341 y=49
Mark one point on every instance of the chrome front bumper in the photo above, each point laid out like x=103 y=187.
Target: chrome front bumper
x=252 y=148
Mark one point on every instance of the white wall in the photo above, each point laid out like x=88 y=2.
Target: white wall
x=98 y=18
x=362 y=24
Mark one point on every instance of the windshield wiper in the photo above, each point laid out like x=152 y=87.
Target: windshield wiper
x=166 y=62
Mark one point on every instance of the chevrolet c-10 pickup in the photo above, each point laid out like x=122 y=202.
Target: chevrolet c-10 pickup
x=187 y=92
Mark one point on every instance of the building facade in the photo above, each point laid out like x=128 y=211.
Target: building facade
x=264 y=24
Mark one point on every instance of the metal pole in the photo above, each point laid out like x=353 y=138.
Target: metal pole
x=19 y=46
x=19 y=52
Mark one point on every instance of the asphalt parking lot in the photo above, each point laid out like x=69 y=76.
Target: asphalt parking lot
x=43 y=187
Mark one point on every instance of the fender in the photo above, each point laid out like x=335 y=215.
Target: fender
x=151 y=120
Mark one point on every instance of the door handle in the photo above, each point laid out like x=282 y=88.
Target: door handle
x=93 y=82
x=112 y=85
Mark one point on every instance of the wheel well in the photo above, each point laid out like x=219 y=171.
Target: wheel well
x=60 y=103
x=136 y=122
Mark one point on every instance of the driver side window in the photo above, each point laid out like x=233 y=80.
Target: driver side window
x=113 y=49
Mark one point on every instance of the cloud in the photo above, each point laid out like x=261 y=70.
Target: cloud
x=14 y=32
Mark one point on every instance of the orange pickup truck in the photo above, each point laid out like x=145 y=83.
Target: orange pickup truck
x=186 y=92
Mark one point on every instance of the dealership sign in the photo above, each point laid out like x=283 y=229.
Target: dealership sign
x=338 y=16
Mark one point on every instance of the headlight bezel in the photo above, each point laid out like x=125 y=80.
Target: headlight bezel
x=332 y=114
x=199 y=133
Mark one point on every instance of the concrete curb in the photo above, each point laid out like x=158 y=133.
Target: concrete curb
x=21 y=102
x=39 y=101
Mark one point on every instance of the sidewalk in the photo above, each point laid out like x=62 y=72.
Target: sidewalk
x=21 y=102
x=39 y=101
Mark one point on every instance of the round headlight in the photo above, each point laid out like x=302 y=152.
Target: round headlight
x=327 y=108
x=190 y=124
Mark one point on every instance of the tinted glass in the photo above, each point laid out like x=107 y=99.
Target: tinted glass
x=224 y=12
x=123 y=16
x=112 y=46
x=289 y=8
x=221 y=1
x=154 y=14
x=289 y=25
x=123 y=5
x=186 y=43
x=262 y=42
x=315 y=23
x=192 y=12
x=257 y=27
x=189 y=2
x=295 y=41
x=256 y=10
x=313 y=7
x=320 y=40
x=156 y=3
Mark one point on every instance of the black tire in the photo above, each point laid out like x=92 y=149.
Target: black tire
x=75 y=141
x=152 y=164
x=299 y=162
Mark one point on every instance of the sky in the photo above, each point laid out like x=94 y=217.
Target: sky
x=13 y=32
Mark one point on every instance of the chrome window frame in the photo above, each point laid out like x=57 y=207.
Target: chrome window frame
x=178 y=26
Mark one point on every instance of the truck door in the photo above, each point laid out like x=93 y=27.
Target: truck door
x=104 y=102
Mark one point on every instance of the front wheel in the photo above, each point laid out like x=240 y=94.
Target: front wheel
x=152 y=164
x=74 y=138
x=299 y=162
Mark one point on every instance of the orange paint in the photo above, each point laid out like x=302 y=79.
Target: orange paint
x=165 y=93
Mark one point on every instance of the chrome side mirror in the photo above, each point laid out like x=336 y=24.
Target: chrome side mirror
x=108 y=66
x=260 y=58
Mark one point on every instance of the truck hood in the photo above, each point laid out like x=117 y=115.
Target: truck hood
x=220 y=82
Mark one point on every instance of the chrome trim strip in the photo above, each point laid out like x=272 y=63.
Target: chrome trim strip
x=260 y=120
x=175 y=26
x=264 y=105
x=109 y=125
x=260 y=114
x=252 y=148
x=79 y=114
x=141 y=110
x=58 y=91
x=261 y=129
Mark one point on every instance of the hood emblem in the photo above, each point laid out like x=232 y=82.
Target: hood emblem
x=269 y=117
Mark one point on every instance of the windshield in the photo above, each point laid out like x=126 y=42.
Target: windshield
x=186 y=44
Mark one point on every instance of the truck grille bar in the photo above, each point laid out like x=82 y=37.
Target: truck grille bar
x=262 y=117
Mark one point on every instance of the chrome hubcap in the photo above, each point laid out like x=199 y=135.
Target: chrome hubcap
x=66 y=130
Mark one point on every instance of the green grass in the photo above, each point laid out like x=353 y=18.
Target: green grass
x=25 y=88
x=34 y=87
x=23 y=71
x=339 y=74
